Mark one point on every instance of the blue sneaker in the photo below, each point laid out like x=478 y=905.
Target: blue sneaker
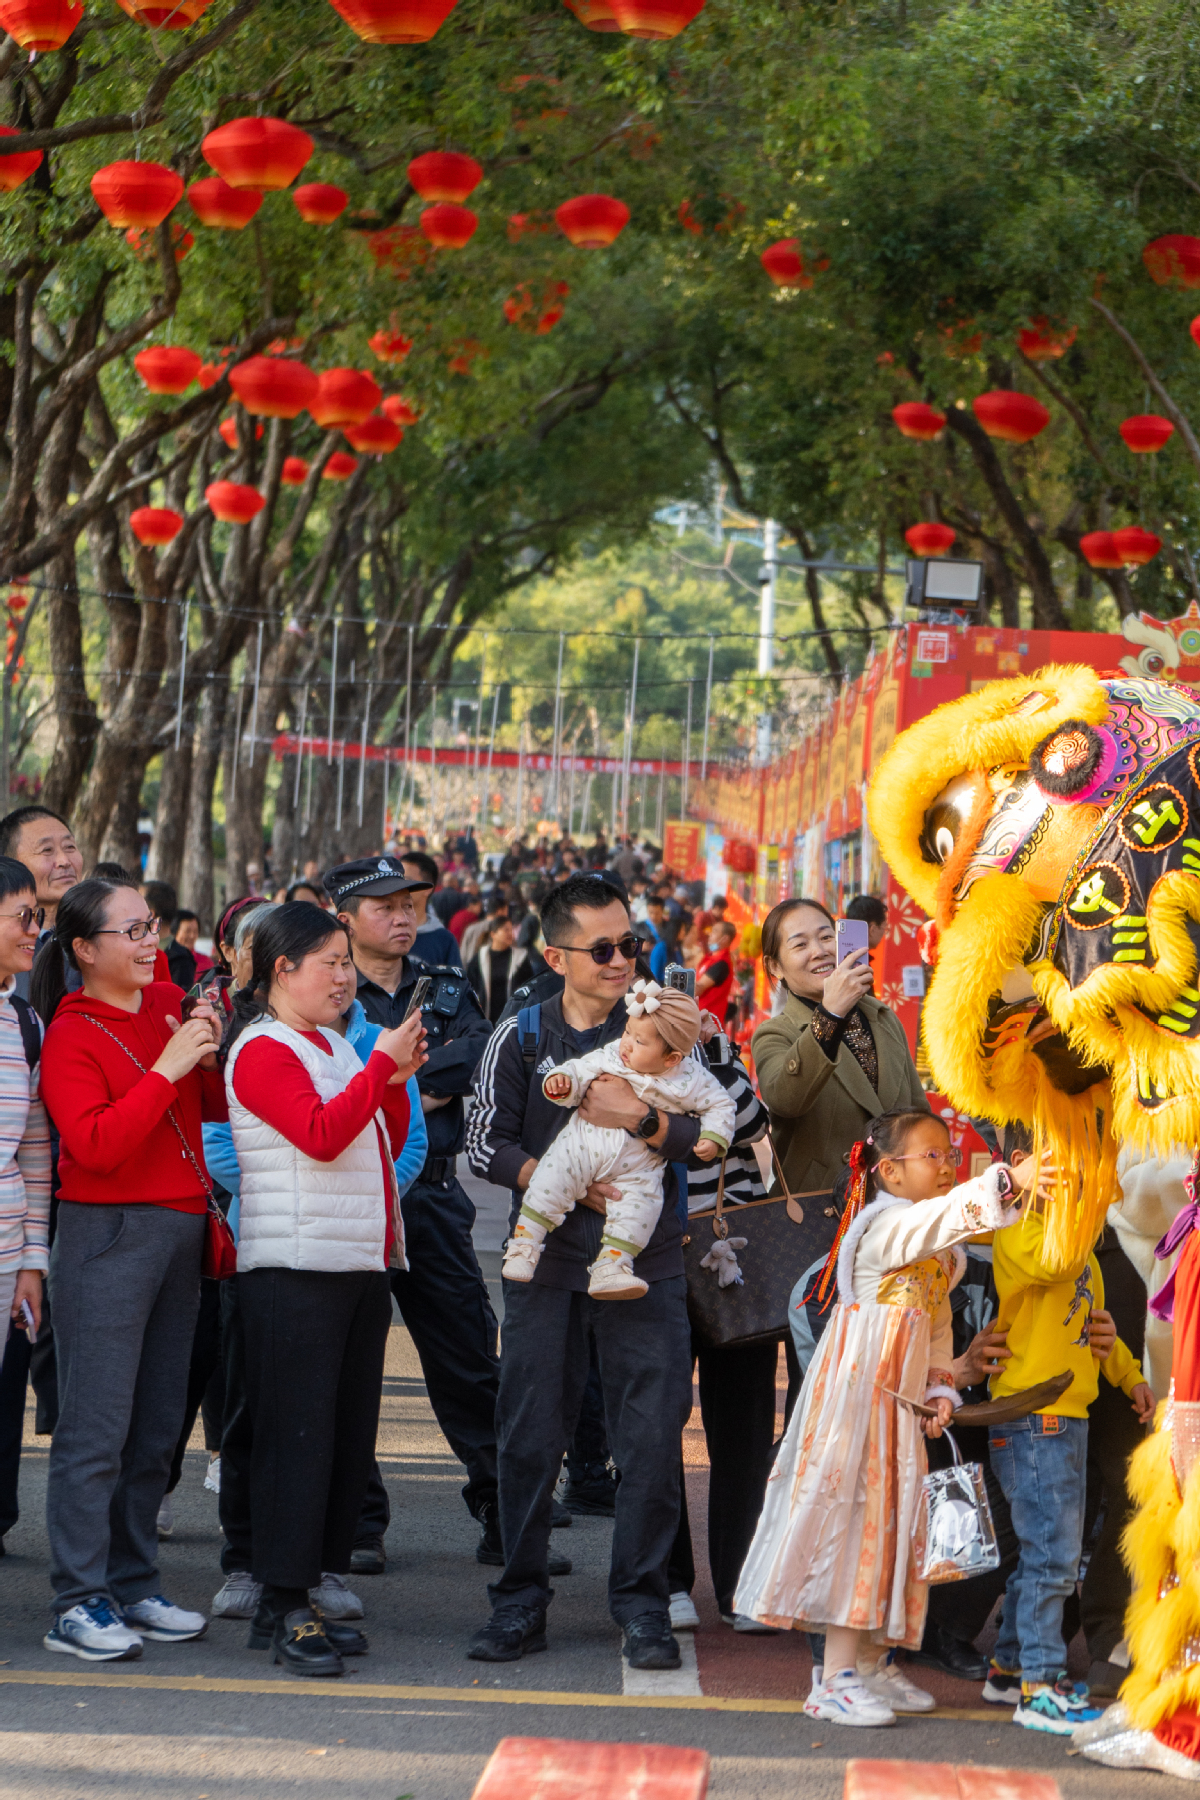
x=94 y=1631
x=155 y=1617
x=1058 y=1709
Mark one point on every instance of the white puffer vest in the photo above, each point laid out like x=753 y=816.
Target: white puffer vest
x=296 y=1212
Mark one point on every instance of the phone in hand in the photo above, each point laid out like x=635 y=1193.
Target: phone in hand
x=25 y=1323
x=852 y=936
x=416 y=999
x=677 y=976
x=206 y=992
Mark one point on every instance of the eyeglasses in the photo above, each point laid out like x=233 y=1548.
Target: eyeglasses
x=951 y=1158
x=27 y=916
x=139 y=929
x=603 y=952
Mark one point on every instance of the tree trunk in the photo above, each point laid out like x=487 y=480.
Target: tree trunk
x=170 y=821
x=196 y=882
x=75 y=715
x=245 y=793
x=120 y=841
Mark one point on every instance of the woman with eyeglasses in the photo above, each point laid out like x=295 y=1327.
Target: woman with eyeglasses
x=127 y=1085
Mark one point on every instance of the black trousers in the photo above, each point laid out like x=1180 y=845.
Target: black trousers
x=737 y=1406
x=237 y=1436
x=14 y=1373
x=644 y=1352
x=315 y=1346
x=963 y=1608
x=206 y=1384
x=443 y=1300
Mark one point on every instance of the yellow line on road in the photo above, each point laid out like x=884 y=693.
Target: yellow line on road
x=378 y=1690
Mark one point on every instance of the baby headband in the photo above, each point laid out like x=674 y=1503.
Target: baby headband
x=644 y=997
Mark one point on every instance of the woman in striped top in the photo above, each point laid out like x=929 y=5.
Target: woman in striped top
x=24 y=1134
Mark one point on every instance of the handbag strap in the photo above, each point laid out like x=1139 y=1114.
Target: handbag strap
x=170 y=1114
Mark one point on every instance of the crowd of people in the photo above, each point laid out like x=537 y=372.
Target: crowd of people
x=228 y=1168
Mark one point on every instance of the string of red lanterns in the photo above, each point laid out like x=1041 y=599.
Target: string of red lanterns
x=1115 y=549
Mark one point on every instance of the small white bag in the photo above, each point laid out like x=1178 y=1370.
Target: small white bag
x=955 y=1534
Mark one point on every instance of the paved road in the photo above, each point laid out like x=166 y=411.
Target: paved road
x=214 y=1721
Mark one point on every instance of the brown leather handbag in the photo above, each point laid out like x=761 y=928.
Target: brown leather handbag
x=783 y=1238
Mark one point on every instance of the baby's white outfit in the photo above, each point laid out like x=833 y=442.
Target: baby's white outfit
x=583 y=1153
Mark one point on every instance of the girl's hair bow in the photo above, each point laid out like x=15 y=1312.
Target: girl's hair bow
x=643 y=998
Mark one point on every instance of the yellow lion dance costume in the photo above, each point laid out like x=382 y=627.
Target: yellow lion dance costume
x=1051 y=827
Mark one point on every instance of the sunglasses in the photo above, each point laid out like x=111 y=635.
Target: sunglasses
x=27 y=916
x=603 y=952
x=952 y=1158
x=139 y=929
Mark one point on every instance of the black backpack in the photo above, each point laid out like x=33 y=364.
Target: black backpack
x=31 y=1031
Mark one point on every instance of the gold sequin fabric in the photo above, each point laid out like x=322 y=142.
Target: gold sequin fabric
x=923 y=1285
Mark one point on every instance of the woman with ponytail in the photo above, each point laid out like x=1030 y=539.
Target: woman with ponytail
x=127 y=1085
x=834 y=1551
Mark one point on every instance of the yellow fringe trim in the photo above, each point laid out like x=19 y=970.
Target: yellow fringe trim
x=1162 y=1540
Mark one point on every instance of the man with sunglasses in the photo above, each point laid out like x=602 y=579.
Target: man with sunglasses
x=644 y=1350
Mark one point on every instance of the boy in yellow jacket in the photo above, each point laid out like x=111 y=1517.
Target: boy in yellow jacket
x=1054 y=1322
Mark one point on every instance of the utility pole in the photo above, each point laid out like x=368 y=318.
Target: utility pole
x=766 y=627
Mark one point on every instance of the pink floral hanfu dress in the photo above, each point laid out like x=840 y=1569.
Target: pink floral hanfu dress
x=836 y=1540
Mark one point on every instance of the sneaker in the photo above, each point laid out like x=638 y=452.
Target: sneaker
x=684 y=1616
x=369 y=1557
x=512 y=1631
x=155 y=1617
x=490 y=1550
x=1002 y=1687
x=750 y=1627
x=593 y=1494
x=1059 y=1709
x=334 y=1599
x=239 y=1597
x=212 y=1475
x=611 y=1277
x=94 y=1631
x=649 y=1643
x=888 y=1682
x=166 y=1517
x=521 y=1258
x=843 y=1700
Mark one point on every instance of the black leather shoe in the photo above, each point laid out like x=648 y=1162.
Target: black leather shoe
x=953 y=1656
x=347 y=1640
x=649 y=1642
x=301 y=1645
x=594 y=1494
x=560 y=1518
x=490 y=1551
x=512 y=1632
x=368 y=1558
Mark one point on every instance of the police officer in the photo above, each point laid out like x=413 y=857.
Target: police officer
x=442 y=1296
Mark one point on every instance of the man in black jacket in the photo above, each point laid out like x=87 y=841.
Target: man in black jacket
x=644 y=1346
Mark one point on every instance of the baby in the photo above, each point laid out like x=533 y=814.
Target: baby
x=653 y=1056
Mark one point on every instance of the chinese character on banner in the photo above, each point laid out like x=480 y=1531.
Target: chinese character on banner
x=933 y=646
x=683 y=846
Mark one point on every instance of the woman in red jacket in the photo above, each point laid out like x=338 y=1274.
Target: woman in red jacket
x=126 y=1084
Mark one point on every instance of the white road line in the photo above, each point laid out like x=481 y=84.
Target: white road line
x=683 y=1682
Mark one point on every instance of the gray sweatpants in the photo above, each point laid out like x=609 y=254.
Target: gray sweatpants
x=126 y=1283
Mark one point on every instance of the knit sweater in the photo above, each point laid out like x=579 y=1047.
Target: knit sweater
x=24 y=1151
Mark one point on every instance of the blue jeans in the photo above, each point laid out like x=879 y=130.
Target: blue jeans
x=1041 y=1463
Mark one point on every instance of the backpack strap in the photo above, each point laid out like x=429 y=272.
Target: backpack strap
x=31 y=1036
x=529 y=1028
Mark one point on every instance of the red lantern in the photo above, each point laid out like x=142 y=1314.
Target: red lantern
x=739 y=857
x=592 y=221
x=390 y=346
x=320 y=203
x=39 y=25
x=916 y=420
x=655 y=19
x=233 y=502
x=394 y=21
x=228 y=433
x=155 y=524
x=136 y=193
x=1146 y=432
x=339 y=467
x=445 y=175
x=16 y=169
x=273 y=386
x=211 y=373
x=597 y=15
x=1041 y=344
x=1135 y=545
x=376 y=436
x=225 y=208
x=1174 y=261
x=141 y=242
x=176 y=15
x=1100 y=550
x=1014 y=418
x=258 y=153
x=929 y=538
x=167 y=369
x=399 y=411
x=448 y=227
x=294 y=472
x=785 y=265
x=344 y=397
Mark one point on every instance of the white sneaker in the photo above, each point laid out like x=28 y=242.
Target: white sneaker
x=239 y=1597
x=520 y=1259
x=212 y=1475
x=612 y=1278
x=888 y=1682
x=335 y=1599
x=843 y=1700
x=684 y=1616
x=751 y=1627
x=166 y=1517
x=94 y=1631
x=155 y=1617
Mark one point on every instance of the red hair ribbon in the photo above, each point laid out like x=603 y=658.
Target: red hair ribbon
x=856 y=1197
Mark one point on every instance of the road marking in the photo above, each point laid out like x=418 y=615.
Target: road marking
x=680 y=1683
x=374 y=1690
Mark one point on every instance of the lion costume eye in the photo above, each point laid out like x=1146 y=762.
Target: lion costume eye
x=943 y=842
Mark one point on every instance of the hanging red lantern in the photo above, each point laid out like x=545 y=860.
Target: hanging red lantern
x=394 y=21
x=339 y=467
x=740 y=857
x=155 y=524
x=390 y=346
x=1146 y=432
x=1174 y=261
x=320 y=203
x=785 y=265
x=597 y=15
x=176 y=15
x=136 y=193
x=1014 y=418
x=142 y=243
x=294 y=472
x=223 y=207
x=273 y=386
x=211 y=373
x=1040 y=343
x=39 y=25
x=344 y=397
x=448 y=227
x=1099 y=548
x=227 y=431
x=376 y=436
x=916 y=420
x=258 y=153
x=655 y=19
x=1135 y=545
x=399 y=411
x=929 y=538
x=233 y=501
x=167 y=368
x=16 y=169
x=592 y=221
x=445 y=175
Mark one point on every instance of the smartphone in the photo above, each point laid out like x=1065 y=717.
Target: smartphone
x=27 y=1324
x=683 y=979
x=206 y=992
x=852 y=935
x=416 y=999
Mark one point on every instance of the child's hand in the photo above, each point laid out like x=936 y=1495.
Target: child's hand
x=556 y=1087
x=1102 y=1333
x=1143 y=1402
x=1028 y=1173
x=945 y=1412
x=705 y=1150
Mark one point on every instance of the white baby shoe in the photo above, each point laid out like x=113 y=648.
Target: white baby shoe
x=612 y=1277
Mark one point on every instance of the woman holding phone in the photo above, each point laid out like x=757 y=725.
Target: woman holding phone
x=315 y=1134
